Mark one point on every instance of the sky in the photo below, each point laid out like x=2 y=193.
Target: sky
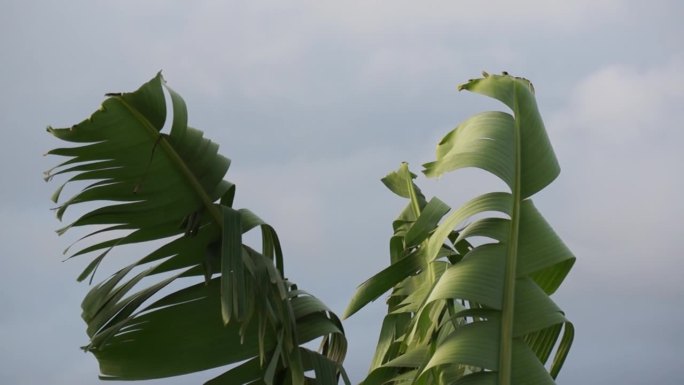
x=315 y=101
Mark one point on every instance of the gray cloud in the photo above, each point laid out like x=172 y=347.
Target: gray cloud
x=314 y=103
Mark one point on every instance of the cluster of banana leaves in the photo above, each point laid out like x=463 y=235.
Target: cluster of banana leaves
x=459 y=312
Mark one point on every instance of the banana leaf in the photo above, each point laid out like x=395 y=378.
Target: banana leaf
x=462 y=310
x=229 y=303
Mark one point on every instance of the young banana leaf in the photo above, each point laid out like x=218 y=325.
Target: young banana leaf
x=464 y=314
x=169 y=187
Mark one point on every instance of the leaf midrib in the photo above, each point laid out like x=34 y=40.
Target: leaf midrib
x=507 y=309
x=176 y=159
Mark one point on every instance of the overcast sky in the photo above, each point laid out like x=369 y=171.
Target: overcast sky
x=315 y=101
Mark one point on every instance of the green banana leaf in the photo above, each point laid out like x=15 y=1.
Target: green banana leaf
x=461 y=313
x=236 y=308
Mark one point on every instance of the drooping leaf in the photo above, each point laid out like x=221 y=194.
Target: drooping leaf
x=168 y=187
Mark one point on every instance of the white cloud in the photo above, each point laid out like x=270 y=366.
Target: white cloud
x=305 y=198
x=619 y=142
x=378 y=17
x=623 y=104
x=274 y=49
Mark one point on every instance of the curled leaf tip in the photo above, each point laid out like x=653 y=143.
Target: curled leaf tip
x=463 y=86
x=485 y=74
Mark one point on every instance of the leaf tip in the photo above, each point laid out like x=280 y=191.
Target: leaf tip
x=347 y=313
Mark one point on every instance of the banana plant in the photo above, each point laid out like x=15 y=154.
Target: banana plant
x=469 y=312
x=202 y=299
x=460 y=311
